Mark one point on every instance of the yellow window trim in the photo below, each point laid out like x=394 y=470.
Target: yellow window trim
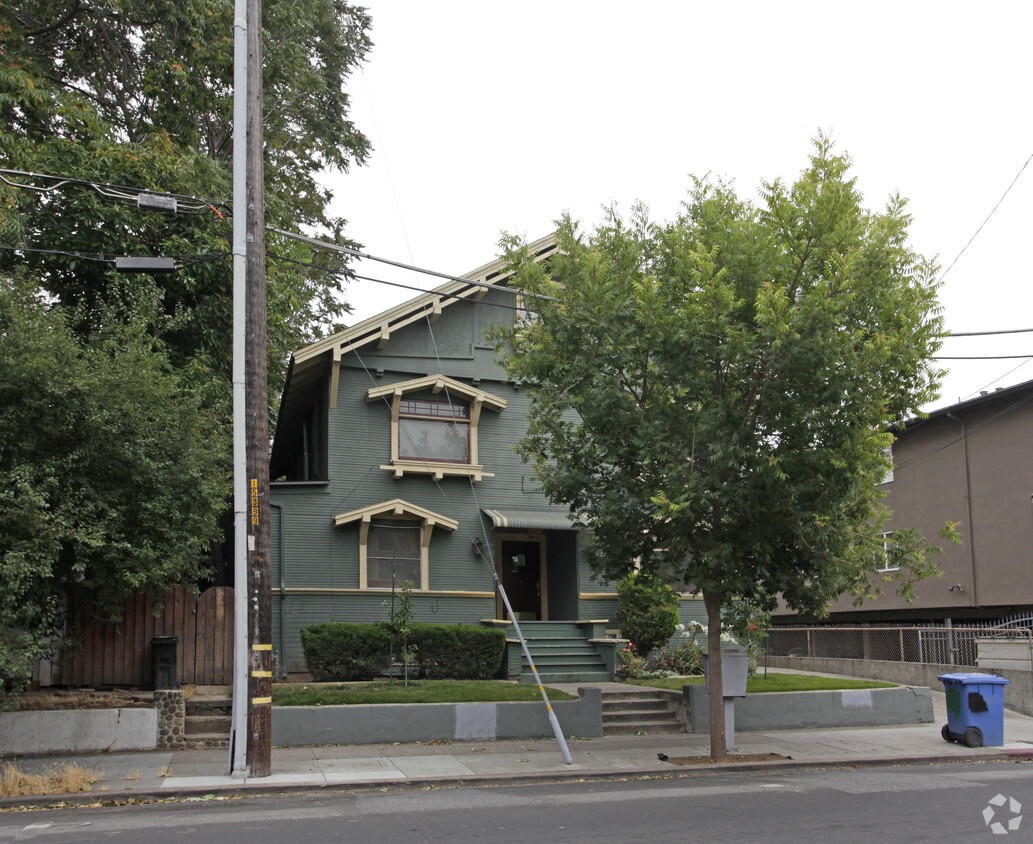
x=396 y=508
x=477 y=399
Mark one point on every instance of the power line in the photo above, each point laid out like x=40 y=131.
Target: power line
x=988 y=333
x=186 y=204
x=967 y=434
x=356 y=253
x=312 y=266
x=146 y=199
x=988 y=216
x=1015 y=368
x=101 y=257
x=982 y=357
x=179 y=203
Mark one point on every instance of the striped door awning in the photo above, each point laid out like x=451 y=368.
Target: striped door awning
x=530 y=519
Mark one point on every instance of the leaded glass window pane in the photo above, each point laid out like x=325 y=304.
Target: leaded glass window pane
x=426 y=439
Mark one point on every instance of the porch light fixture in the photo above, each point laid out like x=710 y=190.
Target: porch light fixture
x=477 y=547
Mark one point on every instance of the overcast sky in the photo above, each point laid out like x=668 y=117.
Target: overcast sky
x=491 y=117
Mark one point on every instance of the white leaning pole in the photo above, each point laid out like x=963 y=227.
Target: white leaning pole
x=238 y=729
x=553 y=720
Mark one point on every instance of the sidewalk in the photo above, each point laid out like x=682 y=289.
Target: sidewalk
x=160 y=775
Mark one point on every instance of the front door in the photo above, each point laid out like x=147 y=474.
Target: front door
x=521 y=566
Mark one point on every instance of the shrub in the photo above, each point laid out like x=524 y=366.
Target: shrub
x=685 y=659
x=459 y=651
x=481 y=652
x=631 y=665
x=340 y=652
x=647 y=611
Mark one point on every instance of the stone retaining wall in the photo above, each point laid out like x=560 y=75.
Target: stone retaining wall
x=170 y=706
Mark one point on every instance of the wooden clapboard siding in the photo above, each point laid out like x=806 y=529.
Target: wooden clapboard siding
x=119 y=653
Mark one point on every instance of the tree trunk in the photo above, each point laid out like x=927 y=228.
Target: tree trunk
x=718 y=750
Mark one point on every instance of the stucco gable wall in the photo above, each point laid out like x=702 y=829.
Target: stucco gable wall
x=994 y=563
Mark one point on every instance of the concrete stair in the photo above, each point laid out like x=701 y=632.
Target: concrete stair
x=208 y=720
x=562 y=654
x=629 y=713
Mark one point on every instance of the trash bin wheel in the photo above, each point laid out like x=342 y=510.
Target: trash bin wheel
x=974 y=737
x=946 y=733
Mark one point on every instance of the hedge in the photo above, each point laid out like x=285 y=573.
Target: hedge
x=353 y=651
x=336 y=651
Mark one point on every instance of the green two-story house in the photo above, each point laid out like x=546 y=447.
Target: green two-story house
x=393 y=461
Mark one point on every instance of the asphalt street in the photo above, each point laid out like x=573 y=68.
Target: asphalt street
x=956 y=802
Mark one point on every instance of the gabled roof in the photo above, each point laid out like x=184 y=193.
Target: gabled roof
x=310 y=364
x=437 y=383
x=400 y=509
x=378 y=329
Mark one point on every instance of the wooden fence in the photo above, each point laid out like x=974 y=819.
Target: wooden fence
x=119 y=653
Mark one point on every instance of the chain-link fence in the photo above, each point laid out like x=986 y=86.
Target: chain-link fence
x=969 y=646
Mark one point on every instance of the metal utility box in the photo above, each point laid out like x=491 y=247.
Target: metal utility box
x=735 y=668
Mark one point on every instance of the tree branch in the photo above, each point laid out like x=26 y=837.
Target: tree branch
x=65 y=18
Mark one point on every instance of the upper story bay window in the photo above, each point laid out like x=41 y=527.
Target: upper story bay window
x=434 y=426
x=434 y=430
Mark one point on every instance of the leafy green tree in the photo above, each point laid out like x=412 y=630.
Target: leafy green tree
x=112 y=474
x=713 y=395
x=647 y=611
x=139 y=93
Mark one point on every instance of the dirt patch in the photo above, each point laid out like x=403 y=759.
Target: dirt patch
x=732 y=758
x=78 y=699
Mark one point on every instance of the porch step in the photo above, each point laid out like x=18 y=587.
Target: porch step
x=208 y=724
x=562 y=654
x=638 y=712
x=208 y=721
x=549 y=678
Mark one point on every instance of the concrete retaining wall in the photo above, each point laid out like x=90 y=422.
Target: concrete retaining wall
x=403 y=722
x=77 y=731
x=810 y=710
x=1018 y=694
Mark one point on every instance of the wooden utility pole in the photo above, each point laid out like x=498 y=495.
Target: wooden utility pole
x=260 y=665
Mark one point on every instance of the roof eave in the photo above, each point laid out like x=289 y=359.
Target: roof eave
x=472 y=285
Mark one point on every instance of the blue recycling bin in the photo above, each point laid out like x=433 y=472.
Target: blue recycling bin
x=975 y=709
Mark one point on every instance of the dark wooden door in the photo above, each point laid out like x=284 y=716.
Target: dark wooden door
x=520 y=564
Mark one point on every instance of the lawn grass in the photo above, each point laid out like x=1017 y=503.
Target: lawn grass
x=419 y=691
x=774 y=682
